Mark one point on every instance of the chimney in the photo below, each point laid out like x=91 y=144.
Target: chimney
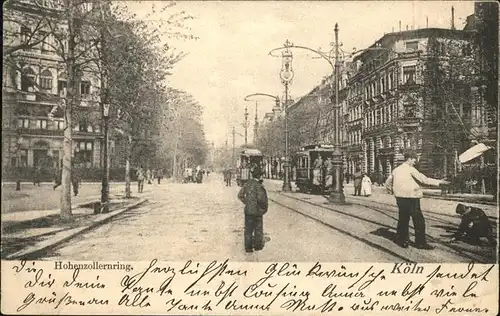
x=400 y=25
x=452 y=18
x=407 y=27
x=427 y=21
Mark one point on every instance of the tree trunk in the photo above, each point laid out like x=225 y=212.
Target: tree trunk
x=67 y=142
x=127 y=168
x=174 y=167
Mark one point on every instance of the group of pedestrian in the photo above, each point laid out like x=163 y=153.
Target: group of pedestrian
x=403 y=183
x=362 y=184
x=148 y=176
x=228 y=175
x=75 y=178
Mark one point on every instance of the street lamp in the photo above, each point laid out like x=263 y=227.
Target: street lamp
x=105 y=165
x=256 y=124
x=245 y=125
x=286 y=75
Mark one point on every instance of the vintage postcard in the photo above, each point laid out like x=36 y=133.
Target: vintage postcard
x=249 y=157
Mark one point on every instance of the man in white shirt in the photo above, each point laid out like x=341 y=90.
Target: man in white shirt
x=404 y=184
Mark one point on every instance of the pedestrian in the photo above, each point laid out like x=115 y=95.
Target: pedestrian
x=358 y=177
x=148 y=175
x=254 y=196
x=159 y=175
x=402 y=183
x=140 y=179
x=37 y=175
x=318 y=165
x=366 y=185
x=75 y=179
x=58 y=177
x=229 y=175
x=328 y=167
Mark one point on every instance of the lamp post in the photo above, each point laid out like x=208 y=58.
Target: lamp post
x=245 y=125
x=256 y=123
x=105 y=162
x=234 y=132
x=286 y=75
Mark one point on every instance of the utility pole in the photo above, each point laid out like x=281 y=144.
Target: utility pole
x=256 y=125
x=246 y=124
x=337 y=193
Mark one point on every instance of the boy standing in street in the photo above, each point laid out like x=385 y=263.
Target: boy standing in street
x=404 y=184
x=254 y=196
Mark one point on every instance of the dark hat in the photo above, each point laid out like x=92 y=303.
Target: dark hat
x=256 y=171
x=410 y=154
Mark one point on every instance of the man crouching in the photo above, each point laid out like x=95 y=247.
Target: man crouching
x=254 y=196
x=474 y=225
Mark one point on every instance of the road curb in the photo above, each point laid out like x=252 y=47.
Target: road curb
x=33 y=252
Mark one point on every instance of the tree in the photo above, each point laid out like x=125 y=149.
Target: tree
x=451 y=102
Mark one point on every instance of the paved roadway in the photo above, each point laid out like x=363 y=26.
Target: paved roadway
x=205 y=222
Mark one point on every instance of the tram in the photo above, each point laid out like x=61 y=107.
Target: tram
x=313 y=168
x=248 y=157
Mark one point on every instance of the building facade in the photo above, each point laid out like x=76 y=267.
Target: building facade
x=403 y=88
x=34 y=83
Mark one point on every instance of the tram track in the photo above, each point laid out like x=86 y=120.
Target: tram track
x=344 y=232
x=469 y=254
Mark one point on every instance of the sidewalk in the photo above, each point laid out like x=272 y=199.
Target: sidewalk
x=29 y=234
x=382 y=199
x=44 y=197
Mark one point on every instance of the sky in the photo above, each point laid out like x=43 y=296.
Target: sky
x=230 y=59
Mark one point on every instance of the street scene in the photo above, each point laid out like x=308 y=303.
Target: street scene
x=195 y=131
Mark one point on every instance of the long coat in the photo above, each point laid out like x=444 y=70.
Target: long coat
x=254 y=196
x=358 y=176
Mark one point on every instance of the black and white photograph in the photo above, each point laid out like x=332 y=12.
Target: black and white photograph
x=253 y=131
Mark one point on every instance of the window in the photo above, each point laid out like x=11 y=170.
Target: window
x=410 y=110
x=409 y=74
x=411 y=46
x=46 y=80
x=44 y=37
x=467 y=50
x=23 y=157
x=25 y=34
x=23 y=123
x=28 y=80
x=61 y=87
x=84 y=152
x=59 y=125
x=41 y=124
x=85 y=88
x=83 y=126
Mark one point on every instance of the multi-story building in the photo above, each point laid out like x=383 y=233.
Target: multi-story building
x=405 y=86
x=34 y=80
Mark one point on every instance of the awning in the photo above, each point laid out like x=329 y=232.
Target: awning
x=473 y=152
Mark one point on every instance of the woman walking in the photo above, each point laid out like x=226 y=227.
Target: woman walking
x=366 y=185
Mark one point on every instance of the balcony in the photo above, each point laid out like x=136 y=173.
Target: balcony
x=355 y=148
x=386 y=151
x=36 y=98
x=39 y=132
x=409 y=121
